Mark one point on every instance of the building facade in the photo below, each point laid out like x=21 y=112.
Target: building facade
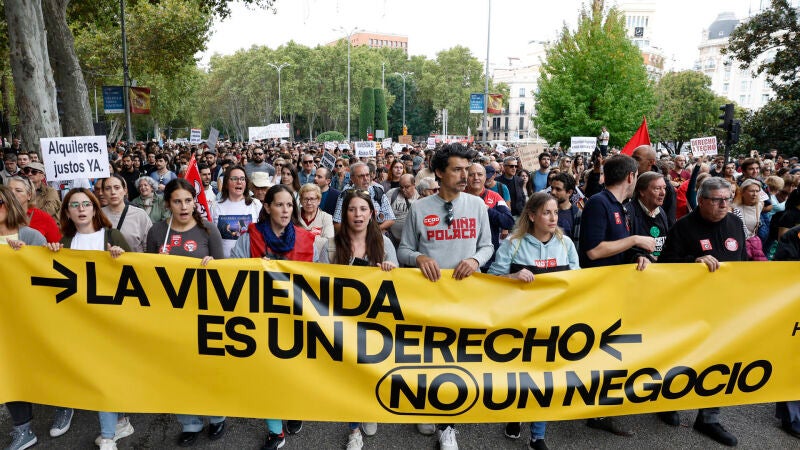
x=377 y=40
x=640 y=19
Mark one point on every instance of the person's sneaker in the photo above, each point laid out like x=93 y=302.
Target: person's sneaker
x=61 y=421
x=122 y=430
x=274 y=441
x=513 y=429
x=426 y=429
x=108 y=444
x=716 y=432
x=537 y=444
x=369 y=428
x=447 y=439
x=294 y=426
x=792 y=428
x=22 y=439
x=355 y=441
x=670 y=418
x=609 y=424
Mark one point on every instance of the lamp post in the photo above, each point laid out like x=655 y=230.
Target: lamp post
x=486 y=75
x=404 y=75
x=349 y=34
x=125 y=75
x=280 y=106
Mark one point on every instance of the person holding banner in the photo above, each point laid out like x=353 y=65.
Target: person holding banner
x=359 y=242
x=85 y=227
x=37 y=219
x=186 y=233
x=535 y=246
x=131 y=221
x=276 y=235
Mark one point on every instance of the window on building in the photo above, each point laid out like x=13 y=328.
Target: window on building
x=725 y=87
x=521 y=124
x=743 y=100
x=764 y=98
x=745 y=85
x=506 y=123
x=522 y=108
x=522 y=92
x=726 y=76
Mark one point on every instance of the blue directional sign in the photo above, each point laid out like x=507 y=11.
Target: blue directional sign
x=476 y=103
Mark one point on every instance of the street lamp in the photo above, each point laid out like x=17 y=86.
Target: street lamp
x=403 y=75
x=349 y=34
x=280 y=107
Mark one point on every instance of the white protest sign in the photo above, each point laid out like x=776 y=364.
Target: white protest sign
x=213 y=135
x=397 y=147
x=582 y=144
x=330 y=145
x=431 y=143
x=344 y=146
x=271 y=131
x=70 y=158
x=328 y=160
x=386 y=143
x=365 y=149
x=195 y=136
x=704 y=146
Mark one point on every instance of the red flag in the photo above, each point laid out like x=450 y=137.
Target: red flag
x=193 y=176
x=641 y=137
x=140 y=100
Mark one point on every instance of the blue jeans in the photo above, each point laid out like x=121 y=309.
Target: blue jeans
x=108 y=423
x=274 y=426
x=537 y=430
x=193 y=424
x=788 y=412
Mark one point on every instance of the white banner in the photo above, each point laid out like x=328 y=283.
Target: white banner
x=397 y=147
x=271 y=131
x=386 y=143
x=195 y=136
x=70 y=158
x=431 y=143
x=704 y=146
x=365 y=149
x=582 y=144
x=344 y=146
x=330 y=145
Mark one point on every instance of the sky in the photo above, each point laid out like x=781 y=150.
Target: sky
x=435 y=25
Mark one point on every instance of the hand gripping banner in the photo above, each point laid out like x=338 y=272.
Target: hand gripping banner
x=251 y=338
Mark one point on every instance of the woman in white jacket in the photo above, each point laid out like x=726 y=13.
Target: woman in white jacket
x=535 y=246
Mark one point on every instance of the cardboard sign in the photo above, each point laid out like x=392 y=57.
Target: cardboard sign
x=70 y=158
x=431 y=143
x=328 y=160
x=196 y=136
x=365 y=149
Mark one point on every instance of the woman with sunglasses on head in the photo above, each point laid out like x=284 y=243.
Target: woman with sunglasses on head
x=535 y=246
x=130 y=220
x=341 y=177
x=359 y=242
x=276 y=235
x=236 y=209
x=37 y=219
x=186 y=233
x=85 y=227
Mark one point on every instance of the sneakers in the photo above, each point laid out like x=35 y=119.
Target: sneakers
x=122 y=430
x=108 y=444
x=513 y=430
x=294 y=426
x=61 y=421
x=537 y=444
x=609 y=424
x=716 y=432
x=22 y=439
x=355 y=441
x=447 y=439
x=274 y=441
x=369 y=428
x=426 y=429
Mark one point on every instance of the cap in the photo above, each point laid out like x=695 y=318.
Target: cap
x=261 y=179
x=489 y=171
x=36 y=165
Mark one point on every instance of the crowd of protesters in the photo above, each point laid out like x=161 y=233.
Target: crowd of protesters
x=276 y=200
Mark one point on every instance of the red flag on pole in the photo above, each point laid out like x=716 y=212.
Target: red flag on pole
x=193 y=176
x=641 y=137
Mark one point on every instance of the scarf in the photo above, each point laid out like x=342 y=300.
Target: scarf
x=280 y=245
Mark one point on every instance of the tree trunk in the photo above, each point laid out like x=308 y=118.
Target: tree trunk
x=33 y=78
x=4 y=87
x=77 y=119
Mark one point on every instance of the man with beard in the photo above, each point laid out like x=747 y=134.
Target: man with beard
x=162 y=175
x=540 y=176
x=322 y=178
x=500 y=217
x=258 y=164
x=515 y=185
x=208 y=188
x=562 y=187
x=130 y=175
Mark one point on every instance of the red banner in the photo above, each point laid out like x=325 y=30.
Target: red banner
x=641 y=137
x=140 y=100
x=193 y=176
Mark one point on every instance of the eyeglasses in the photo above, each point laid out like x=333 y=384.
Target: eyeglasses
x=448 y=219
x=719 y=201
x=76 y=205
x=258 y=154
x=434 y=190
x=237 y=179
x=309 y=200
x=513 y=166
x=308 y=162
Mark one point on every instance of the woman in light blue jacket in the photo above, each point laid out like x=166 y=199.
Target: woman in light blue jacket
x=535 y=246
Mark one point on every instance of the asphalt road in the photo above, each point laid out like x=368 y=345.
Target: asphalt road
x=754 y=425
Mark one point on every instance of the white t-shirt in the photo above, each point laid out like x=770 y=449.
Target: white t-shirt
x=228 y=218
x=90 y=241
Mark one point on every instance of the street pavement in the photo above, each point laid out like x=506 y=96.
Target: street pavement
x=754 y=425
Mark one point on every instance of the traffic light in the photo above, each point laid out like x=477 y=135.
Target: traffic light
x=726 y=117
x=733 y=134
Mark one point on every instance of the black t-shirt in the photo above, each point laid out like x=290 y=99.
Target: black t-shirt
x=790 y=218
x=692 y=237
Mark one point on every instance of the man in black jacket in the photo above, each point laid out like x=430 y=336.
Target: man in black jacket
x=514 y=184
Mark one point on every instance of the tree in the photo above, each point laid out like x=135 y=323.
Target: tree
x=593 y=77
x=366 y=120
x=381 y=122
x=775 y=125
x=33 y=79
x=686 y=108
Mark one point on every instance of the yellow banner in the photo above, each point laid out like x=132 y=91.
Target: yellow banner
x=249 y=338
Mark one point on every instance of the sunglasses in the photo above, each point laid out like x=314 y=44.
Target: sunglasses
x=448 y=219
x=340 y=166
x=29 y=171
x=434 y=190
x=308 y=162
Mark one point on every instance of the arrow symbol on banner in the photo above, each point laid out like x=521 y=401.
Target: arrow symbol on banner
x=70 y=284
x=606 y=339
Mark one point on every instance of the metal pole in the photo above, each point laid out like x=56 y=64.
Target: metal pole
x=95 y=104
x=280 y=105
x=348 y=87
x=486 y=75
x=125 y=75
x=403 y=75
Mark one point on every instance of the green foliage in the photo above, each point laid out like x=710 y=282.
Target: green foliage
x=776 y=125
x=366 y=120
x=381 y=121
x=593 y=77
x=329 y=136
x=686 y=108
x=770 y=41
